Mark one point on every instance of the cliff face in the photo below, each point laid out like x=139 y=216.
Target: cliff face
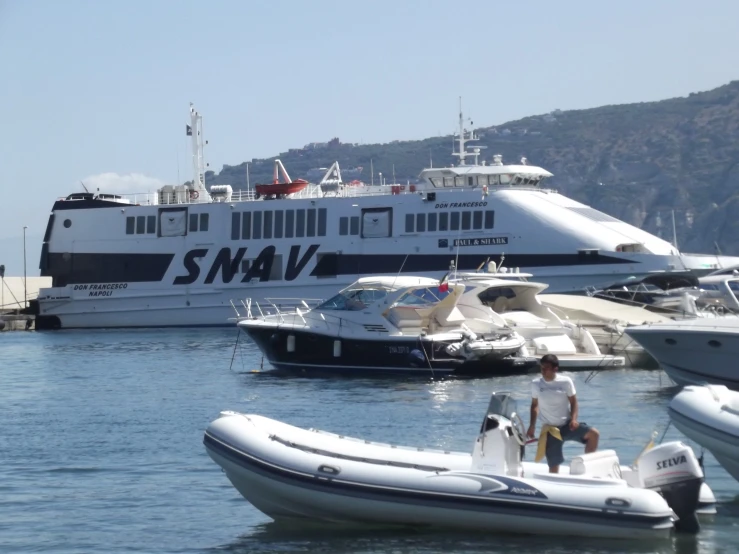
x=638 y=162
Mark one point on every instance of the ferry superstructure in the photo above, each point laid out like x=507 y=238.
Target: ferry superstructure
x=181 y=256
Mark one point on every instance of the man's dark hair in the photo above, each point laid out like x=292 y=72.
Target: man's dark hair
x=550 y=359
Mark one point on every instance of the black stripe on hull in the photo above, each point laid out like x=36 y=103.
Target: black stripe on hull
x=315 y=352
x=489 y=504
x=77 y=268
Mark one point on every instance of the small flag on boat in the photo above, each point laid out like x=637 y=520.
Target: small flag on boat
x=188 y=130
x=444 y=283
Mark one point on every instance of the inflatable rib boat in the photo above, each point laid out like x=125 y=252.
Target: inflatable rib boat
x=709 y=415
x=288 y=472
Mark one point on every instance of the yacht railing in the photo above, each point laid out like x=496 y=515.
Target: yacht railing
x=311 y=192
x=279 y=308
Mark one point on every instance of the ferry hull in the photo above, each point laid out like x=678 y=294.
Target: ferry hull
x=166 y=304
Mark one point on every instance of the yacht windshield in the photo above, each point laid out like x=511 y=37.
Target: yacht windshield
x=353 y=300
x=422 y=297
x=501 y=403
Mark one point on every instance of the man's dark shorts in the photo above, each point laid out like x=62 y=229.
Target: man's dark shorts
x=554 y=446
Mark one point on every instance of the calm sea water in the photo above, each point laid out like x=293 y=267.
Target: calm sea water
x=101 y=445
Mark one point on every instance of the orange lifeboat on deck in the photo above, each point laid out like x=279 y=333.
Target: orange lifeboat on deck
x=280 y=189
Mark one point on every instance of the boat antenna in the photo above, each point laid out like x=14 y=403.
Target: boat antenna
x=400 y=270
x=83 y=186
x=674 y=232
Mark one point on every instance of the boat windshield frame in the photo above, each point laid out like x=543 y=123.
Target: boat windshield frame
x=353 y=299
x=502 y=404
x=421 y=297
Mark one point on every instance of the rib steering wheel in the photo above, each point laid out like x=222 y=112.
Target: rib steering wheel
x=519 y=429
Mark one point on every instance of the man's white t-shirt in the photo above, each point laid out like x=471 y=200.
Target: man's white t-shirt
x=554 y=399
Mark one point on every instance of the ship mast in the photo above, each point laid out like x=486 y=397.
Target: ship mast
x=195 y=130
x=462 y=154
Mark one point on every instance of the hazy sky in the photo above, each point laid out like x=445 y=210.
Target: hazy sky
x=100 y=90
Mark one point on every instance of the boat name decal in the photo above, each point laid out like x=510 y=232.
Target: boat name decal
x=399 y=349
x=664 y=464
x=228 y=266
x=524 y=490
x=101 y=289
x=442 y=205
x=483 y=241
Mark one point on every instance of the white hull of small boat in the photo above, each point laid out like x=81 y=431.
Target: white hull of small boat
x=709 y=415
x=288 y=472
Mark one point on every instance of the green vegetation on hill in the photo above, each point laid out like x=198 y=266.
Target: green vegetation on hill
x=638 y=162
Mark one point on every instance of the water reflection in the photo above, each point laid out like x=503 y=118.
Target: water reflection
x=303 y=537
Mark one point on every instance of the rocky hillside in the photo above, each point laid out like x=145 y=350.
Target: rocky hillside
x=639 y=162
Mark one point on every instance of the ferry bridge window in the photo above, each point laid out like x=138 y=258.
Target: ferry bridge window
x=448 y=181
x=204 y=222
x=420 y=223
x=278 y=224
x=300 y=223
x=130 y=225
x=493 y=180
x=246 y=226
x=343 y=226
x=193 y=223
x=471 y=181
x=455 y=222
x=322 y=222
x=459 y=181
x=466 y=221
x=151 y=224
x=311 y=223
x=489 y=219
x=354 y=225
x=256 y=228
x=267 y=224
x=140 y=224
x=235 y=225
x=436 y=181
x=482 y=180
x=289 y=224
x=444 y=221
x=505 y=179
x=477 y=220
x=409 y=223
x=432 y=221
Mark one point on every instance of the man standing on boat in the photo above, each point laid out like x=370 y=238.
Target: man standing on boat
x=554 y=402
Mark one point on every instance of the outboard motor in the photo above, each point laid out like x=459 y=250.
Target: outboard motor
x=673 y=471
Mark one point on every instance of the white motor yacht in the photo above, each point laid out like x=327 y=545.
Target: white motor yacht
x=694 y=351
x=517 y=304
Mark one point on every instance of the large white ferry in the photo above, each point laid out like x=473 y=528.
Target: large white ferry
x=180 y=256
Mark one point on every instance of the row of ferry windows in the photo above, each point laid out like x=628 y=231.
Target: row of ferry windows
x=147 y=224
x=141 y=225
x=278 y=224
x=450 y=221
x=482 y=180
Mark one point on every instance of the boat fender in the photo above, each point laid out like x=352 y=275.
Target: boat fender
x=337 y=349
x=291 y=343
x=416 y=358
